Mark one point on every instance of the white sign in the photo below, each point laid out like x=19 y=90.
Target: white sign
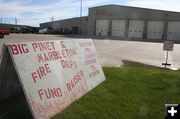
x=168 y=46
x=53 y=74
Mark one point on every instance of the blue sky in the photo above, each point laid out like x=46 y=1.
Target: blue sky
x=33 y=12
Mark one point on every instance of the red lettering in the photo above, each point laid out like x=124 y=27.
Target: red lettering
x=49 y=93
x=34 y=76
x=69 y=87
x=55 y=55
x=14 y=49
x=42 y=70
x=43 y=46
x=68 y=64
x=50 y=54
x=94 y=73
x=85 y=44
x=40 y=73
x=19 y=49
x=52 y=43
x=59 y=92
x=68 y=52
x=47 y=68
x=40 y=58
x=45 y=57
x=34 y=45
x=90 y=61
x=62 y=44
x=40 y=93
x=54 y=92
x=76 y=79
x=81 y=73
x=87 y=50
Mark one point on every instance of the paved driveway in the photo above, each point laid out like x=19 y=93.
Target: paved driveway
x=112 y=52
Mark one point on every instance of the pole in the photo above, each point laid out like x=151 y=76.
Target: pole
x=81 y=9
x=52 y=18
x=80 y=17
x=15 y=20
x=167 y=54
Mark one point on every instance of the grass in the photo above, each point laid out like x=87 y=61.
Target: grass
x=128 y=93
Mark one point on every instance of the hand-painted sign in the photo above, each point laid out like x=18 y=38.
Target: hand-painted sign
x=53 y=74
x=168 y=46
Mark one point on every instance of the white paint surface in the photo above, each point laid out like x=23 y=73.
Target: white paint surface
x=102 y=27
x=136 y=29
x=155 y=29
x=118 y=28
x=45 y=106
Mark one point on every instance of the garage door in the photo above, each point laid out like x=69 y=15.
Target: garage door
x=101 y=27
x=173 y=30
x=118 y=28
x=136 y=29
x=155 y=29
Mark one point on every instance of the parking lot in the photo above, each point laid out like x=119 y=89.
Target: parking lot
x=114 y=52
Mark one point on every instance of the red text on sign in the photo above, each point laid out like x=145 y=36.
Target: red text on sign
x=90 y=61
x=85 y=44
x=76 y=79
x=40 y=73
x=43 y=46
x=50 y=56
x=94 y=73
x=49 y=93
x=68 y=52
x=68 y=64
x=19 y=49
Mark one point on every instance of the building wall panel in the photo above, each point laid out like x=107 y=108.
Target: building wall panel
x=118 y=28
x=155 y=29
x=102 y=27
x=136 y=29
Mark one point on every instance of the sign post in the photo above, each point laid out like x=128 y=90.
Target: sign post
x=167 y=46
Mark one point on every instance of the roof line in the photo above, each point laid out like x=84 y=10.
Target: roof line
x=111 y=5
x=66 y=19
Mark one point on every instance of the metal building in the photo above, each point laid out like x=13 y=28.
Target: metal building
x=77 y=25
x=134 y=23
x=127 y=23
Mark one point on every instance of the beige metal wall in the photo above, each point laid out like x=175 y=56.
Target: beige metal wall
x=139 y=22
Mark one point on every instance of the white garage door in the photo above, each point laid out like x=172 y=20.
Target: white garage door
x=173 y=30
x=136 y=28
x=118 y=28
x=155 y=29
x=101 y=27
